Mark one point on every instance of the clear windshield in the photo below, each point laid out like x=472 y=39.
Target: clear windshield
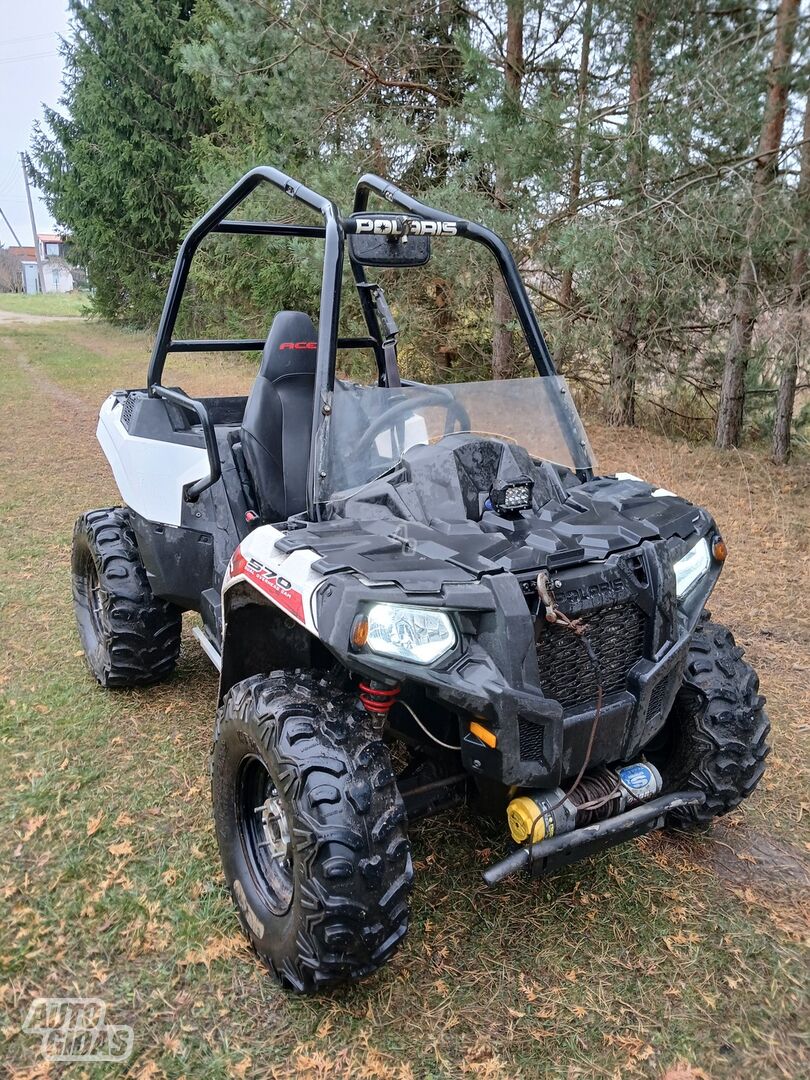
x=371 y=427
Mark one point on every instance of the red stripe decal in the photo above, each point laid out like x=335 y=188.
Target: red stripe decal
x=272 y=584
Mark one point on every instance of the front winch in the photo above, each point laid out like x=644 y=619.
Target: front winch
x=540 y=815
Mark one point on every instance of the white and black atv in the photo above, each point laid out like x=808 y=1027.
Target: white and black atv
x=433 y=565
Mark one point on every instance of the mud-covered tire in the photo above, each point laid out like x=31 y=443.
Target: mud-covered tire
x=333 y=906
x=718 y=728
x=130 y=637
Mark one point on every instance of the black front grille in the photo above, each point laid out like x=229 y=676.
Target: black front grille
x=616 y=635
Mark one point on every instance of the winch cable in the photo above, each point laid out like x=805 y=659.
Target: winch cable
x=605 y=788
x=553 y=615
x=579 y=628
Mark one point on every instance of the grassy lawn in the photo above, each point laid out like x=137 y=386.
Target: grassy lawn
x=44 y=303
x=678 y=957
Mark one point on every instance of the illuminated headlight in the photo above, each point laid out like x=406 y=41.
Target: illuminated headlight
x=508 y=498
x=691 y=568
x=409 y=633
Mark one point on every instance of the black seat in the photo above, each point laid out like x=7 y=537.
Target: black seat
x=277 y=425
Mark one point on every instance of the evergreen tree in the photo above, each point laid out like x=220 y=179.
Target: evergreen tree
x=799 y=289
x=616 y=146
x=732 y=393
x=113 y=162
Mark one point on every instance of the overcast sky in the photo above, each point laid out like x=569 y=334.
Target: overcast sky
x=30 y=74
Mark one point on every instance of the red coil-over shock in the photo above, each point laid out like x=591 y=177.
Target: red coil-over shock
x=377 y=697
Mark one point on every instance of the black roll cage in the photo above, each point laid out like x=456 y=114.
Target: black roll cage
x=333 y=231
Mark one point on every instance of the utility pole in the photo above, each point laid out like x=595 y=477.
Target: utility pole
x=10 y=229
x=40 y=271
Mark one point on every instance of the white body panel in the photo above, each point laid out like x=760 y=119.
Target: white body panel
x=285 y=578
x=657 y=494
x=150 y=474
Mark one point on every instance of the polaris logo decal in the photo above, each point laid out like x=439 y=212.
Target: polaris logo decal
x=298 y=345
x=405 y=227
x=279 y=589
x=600 y=592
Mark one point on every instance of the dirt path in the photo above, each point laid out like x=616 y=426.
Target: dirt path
x=9 y=317
x=43 y=382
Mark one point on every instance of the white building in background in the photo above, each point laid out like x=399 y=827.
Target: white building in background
x=55 y=268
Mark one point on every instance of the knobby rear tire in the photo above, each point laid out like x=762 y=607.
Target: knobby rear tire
x=130 y=637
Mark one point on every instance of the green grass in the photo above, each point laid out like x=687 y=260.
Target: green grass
x=623 y=966
x=44 y=303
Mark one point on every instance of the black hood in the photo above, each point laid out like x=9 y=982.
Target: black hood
x=429 y=516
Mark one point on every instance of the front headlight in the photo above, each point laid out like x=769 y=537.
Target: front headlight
x=409 y=633
x=691 y=568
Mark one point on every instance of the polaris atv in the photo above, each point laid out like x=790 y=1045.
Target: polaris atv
x=432 y=573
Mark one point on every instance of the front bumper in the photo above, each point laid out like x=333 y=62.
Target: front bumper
x=556 y=851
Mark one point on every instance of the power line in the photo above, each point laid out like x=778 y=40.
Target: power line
x=31 y=56
x=30 y=37
x=10 y=227
x=8 y=181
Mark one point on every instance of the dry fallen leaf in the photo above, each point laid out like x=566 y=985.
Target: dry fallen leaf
x=94 y=823
x=124 y=848
x=32 y=825
x=148 y=1071
x=324 y=1029
x=682 y=1071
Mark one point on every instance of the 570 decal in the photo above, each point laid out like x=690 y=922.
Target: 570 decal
x=274 y=585
x=392 y=226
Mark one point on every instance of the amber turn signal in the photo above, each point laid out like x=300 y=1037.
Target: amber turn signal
x=489 y=738
x=719 y=549
x=359 y=634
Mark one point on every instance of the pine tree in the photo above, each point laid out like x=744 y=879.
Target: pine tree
x=114 y=162
x=624 y=357
x=503 y=313
x=799 y=289
x=732 y=392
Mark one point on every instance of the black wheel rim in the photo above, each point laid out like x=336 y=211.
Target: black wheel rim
x=265 y=834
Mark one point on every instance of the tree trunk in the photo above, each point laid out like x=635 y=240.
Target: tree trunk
x=445 y=352
x=445 y=72
x=575 y=184
x=624 y=363
x=624 y=354
x=732 y=391
x=799 y=289
x=780 y=451
x=503 y=348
